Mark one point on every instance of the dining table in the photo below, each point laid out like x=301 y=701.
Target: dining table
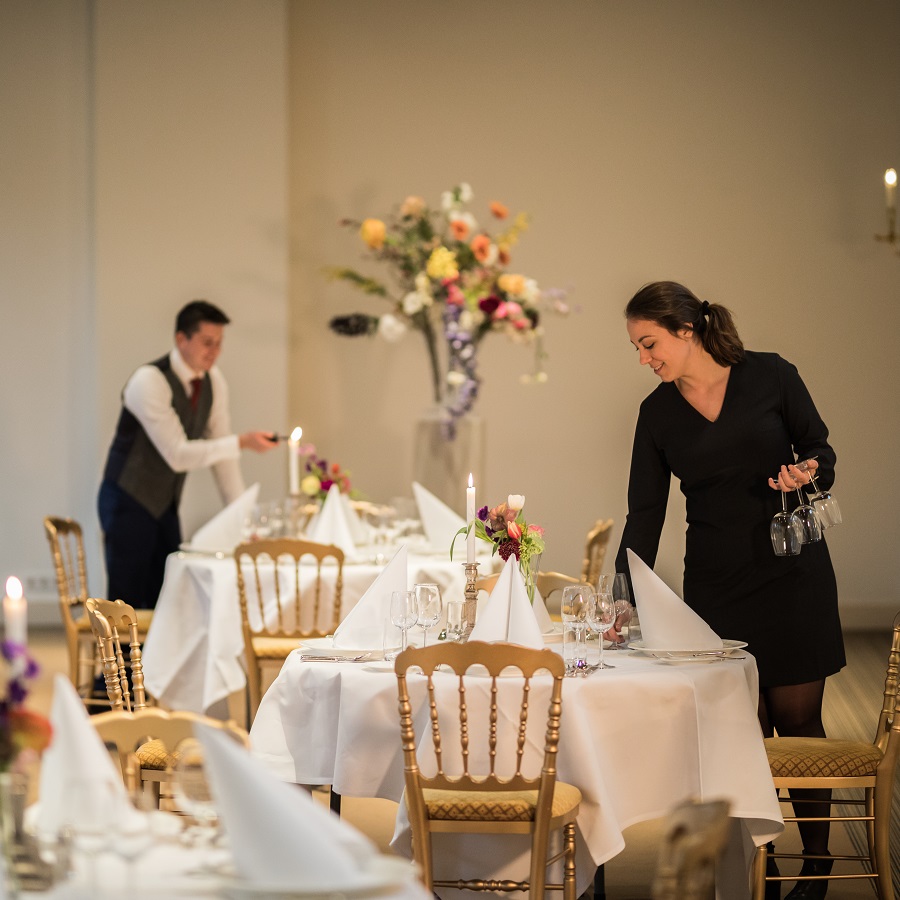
x=636 y=739
x=193 y=656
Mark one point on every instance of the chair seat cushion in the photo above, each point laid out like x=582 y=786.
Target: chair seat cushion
x=152 y=755
x=502 y=806
x=793 y=757
x=273 y=647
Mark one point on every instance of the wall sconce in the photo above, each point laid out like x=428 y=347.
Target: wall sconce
x=890 y=196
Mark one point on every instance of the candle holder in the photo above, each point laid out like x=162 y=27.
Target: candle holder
x=471 y=597
x=891 y=236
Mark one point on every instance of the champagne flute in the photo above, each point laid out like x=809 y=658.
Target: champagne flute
x=601 y=616
x=573 y=609
x=403 y=613
x=429 y=606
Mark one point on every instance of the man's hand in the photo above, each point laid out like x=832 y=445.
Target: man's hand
x=260 y=441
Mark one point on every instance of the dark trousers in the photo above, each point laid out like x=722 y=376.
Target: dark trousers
x=135 y=545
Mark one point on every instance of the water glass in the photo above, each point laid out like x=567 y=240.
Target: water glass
x=574 y=652
x=456 y=620
x=429 y=607
x=403 y=613
x=391 y=639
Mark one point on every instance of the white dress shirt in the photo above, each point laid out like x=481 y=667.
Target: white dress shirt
x=148 y=397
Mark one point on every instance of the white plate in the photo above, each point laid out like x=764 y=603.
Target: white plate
x=205 y=551
x=385 y=875
x=703 y=653
x=324 y=646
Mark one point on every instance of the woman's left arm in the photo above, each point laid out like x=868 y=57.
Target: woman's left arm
x=807 y=431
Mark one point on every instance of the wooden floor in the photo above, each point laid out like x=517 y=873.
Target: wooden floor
x=852 y=704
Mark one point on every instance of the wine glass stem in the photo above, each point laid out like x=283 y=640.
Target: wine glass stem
x=403 y=639
x=424 y=636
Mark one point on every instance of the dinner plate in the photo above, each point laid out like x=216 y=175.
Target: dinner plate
x=385 y=875
x=699 y=653
x=205 y=551
x=324 y=646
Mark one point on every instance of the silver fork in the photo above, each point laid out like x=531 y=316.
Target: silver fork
x=360 y=658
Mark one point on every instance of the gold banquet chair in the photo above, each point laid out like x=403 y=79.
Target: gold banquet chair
x=464 y=796
x=109 y=621
x=694 y=837
x=150 y=738
x=595 y=546
x=829 y=763
x=67 y=549
x=275 y=612
x=549 y=584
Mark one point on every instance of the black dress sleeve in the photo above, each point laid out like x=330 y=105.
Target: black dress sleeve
x=648 y=495
x=807 y=431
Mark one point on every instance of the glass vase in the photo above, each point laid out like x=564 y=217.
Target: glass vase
x=530 y=572
x=442 y=463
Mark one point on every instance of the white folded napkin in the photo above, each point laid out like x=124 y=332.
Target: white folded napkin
x=223 y=530
x=667 y=622
x=359 y=530
x=76 y=755
x=545 y=623
x=280 y=837
x=332 y=526
x=507 y=615
x=439 y=522
x=363 y=627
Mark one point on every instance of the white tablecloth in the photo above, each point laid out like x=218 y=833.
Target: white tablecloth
x=193 y=655
x=636 y=740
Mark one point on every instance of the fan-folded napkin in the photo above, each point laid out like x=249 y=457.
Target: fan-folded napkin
x=332 y=526
x=223 y=530
x=279 y=835
x=76 y=754
x=363 y=627
x=439 y=522
x=507 y=615
x=359 y=530
x=667 y=622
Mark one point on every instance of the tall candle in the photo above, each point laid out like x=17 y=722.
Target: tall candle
x=890 y=188
x=294 y=460
x=15 y=612
x=470 y=520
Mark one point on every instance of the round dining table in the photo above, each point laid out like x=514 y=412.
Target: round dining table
x=636 y=739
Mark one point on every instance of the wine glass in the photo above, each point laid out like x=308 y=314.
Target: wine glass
x=403 y=613
x=601 y=616
x=91 y=822
x=573 y=609
x=824 y=503
x=429 y=606
x=456 y=620
x=193 y=796
x=785 y=531
x=617 y=585
x=810 y=529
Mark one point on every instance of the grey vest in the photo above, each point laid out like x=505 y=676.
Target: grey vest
x=135 y=464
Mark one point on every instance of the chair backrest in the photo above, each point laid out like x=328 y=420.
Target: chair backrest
x=547 y=583
x=694 y=837
x=127 y=731
x=273 y=600
x=471 y=746
x=889 y=719
x=111 y=621
x=595 y=551
x=67 y=547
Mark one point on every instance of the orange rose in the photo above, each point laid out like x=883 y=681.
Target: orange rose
x=498 y=210
x=373 y=232
x=480 y=247
x=459 y=228
x=30 y=730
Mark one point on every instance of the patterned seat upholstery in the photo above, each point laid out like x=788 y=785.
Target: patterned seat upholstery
x=500 y=806
x=821 y=758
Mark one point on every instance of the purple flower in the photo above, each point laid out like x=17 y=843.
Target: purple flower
x=508 y=548
x=483 y=513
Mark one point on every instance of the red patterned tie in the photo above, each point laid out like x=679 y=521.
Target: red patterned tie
x=196 y=386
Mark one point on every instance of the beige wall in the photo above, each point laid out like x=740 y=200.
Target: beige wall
x=735 y=147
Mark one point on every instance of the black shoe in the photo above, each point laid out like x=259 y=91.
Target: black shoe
x=811 y=890
x=773 y=888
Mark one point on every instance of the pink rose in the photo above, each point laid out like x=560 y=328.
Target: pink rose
x=536 y=529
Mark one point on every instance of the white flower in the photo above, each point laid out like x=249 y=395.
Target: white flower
x=466 y=320
x=465 y=192
x=466 y=217
x=541 y=378
x=391 y=328
x=412 y=303
x=531 y=291
x=423 y=283
x=492 y=254
x=515 y=501
x=447 y=201
x=455 y=379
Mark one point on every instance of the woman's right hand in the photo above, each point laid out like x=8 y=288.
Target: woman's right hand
x=790 y=477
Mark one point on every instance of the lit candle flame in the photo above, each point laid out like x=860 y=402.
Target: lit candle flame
x=471 y=484
x=890 y=177
x=296 y=434
x=13 y=588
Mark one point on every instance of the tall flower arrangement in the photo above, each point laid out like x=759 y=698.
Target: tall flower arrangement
x=21 y=729
x=451 y=281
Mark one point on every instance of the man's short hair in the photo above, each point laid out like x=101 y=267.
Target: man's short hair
x=195 y=314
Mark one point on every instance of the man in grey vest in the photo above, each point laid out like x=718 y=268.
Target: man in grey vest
x=174 y=419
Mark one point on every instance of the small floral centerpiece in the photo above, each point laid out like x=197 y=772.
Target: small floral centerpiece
x=321 y=475
x=22 y=730
x=451 y=282
x=505 y=528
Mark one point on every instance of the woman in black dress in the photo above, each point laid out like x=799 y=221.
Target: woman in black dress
x=723 y=421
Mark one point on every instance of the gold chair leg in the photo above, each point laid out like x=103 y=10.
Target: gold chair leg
x=569 y=873
x=758 y=873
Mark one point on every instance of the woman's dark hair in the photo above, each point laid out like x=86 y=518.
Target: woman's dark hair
x=675 y=307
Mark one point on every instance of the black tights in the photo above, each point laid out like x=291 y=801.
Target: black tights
x=795 y=710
